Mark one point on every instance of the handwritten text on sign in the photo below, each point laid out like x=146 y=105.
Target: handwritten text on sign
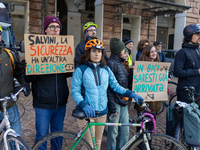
x=47 y=54
x=150 y=80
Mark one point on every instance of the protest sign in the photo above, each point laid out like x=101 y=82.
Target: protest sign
x=150 y=80
x=49 y=54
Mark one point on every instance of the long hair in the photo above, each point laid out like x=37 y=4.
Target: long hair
x=85 y=58
x=185 y=40
x=141 y=44
x=146 y=53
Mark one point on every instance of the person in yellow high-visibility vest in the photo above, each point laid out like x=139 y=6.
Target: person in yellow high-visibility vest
x=129 y=45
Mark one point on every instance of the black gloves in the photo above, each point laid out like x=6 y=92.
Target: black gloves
x=26 y=90
x=23 y=64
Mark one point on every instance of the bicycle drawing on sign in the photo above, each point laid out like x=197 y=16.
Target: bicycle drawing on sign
x=151 y=96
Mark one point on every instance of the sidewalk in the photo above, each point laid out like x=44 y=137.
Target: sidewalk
x=70 y=124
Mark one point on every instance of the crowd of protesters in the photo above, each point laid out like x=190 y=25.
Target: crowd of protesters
x=99 y=83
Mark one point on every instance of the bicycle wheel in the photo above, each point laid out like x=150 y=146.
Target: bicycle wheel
x=60 y=140
x=162 y=108
x=15 y=143
x=171 y=91
x=158 y=142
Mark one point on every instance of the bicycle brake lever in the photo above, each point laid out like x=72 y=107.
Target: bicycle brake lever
x=13 y=97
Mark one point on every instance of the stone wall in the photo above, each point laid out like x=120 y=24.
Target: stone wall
x=35 y=16
x=193 y=16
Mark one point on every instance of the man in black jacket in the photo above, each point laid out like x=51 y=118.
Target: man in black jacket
x=50 y=92
x=10 y=68
x=89 y=29
x=187 y=63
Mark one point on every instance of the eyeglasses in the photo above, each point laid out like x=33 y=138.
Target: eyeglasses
x=159 y=46
x=92 y=30
x=198 y=34
x=52 y=28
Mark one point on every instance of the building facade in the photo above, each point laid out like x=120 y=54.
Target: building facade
x=162 y=20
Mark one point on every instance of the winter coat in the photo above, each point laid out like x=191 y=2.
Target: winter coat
x=187 y=63
x=49 y=91
x=117 y=67
x=7 y=74
x=94 y=81
x=139 y=52
x=162 y=56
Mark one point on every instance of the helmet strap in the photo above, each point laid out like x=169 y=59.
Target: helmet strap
x=194 y=43
x=1 y=47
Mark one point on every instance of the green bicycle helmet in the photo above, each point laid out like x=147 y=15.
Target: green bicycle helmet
x=89 y=24
x=1 y=30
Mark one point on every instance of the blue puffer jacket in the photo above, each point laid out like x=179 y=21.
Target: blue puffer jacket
x=90 y=87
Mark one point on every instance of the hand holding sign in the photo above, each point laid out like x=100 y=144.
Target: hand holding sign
x=150 y=80
x=47 y=54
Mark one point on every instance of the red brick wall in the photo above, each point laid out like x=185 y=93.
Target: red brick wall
x=113 y=29
x=193 y=16
x=35 y=15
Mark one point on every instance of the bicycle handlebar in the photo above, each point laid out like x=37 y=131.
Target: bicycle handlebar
x=12 y=96
x=151 y=119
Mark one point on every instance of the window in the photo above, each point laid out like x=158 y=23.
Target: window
x=89 y=5
x=126 y=20
x=126 y=34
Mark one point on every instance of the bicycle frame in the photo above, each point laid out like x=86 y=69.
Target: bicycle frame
x=5 y=124
x=90 y=124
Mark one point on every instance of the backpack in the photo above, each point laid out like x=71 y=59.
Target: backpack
x=172 y=119
x=191 y=123
x=13 y=57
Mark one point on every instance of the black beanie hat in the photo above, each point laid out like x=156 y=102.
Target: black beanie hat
x=116 y=45
x=127 y=40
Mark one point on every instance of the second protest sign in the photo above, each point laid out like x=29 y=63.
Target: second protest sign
x=150 y=80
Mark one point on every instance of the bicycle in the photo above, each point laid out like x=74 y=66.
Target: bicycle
x=179 y=130
x=11 y=140
x=171 y=91
x=144 y=139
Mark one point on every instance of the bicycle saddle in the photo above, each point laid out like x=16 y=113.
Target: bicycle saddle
x=78 y=113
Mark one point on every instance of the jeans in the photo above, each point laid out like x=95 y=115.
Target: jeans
x=45 y=118
x=122 y=132
x=14 y=118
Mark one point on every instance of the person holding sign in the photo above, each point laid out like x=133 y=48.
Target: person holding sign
x=10 y=68
x=50 y=92
x=187 y=63
x=89 y=29
x=89 y=86
x=150 y=53
x=120 y=106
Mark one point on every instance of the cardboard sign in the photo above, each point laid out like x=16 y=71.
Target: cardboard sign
x=49 y=54
x=150 y=80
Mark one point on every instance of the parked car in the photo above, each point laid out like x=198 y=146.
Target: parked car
x=170 y=57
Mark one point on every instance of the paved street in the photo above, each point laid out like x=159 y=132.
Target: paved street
x=28 y=120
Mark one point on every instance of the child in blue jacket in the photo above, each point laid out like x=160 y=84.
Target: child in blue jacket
x=89 y=86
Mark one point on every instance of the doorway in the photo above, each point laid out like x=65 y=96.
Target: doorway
x=62 y=15
x=162 y=35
